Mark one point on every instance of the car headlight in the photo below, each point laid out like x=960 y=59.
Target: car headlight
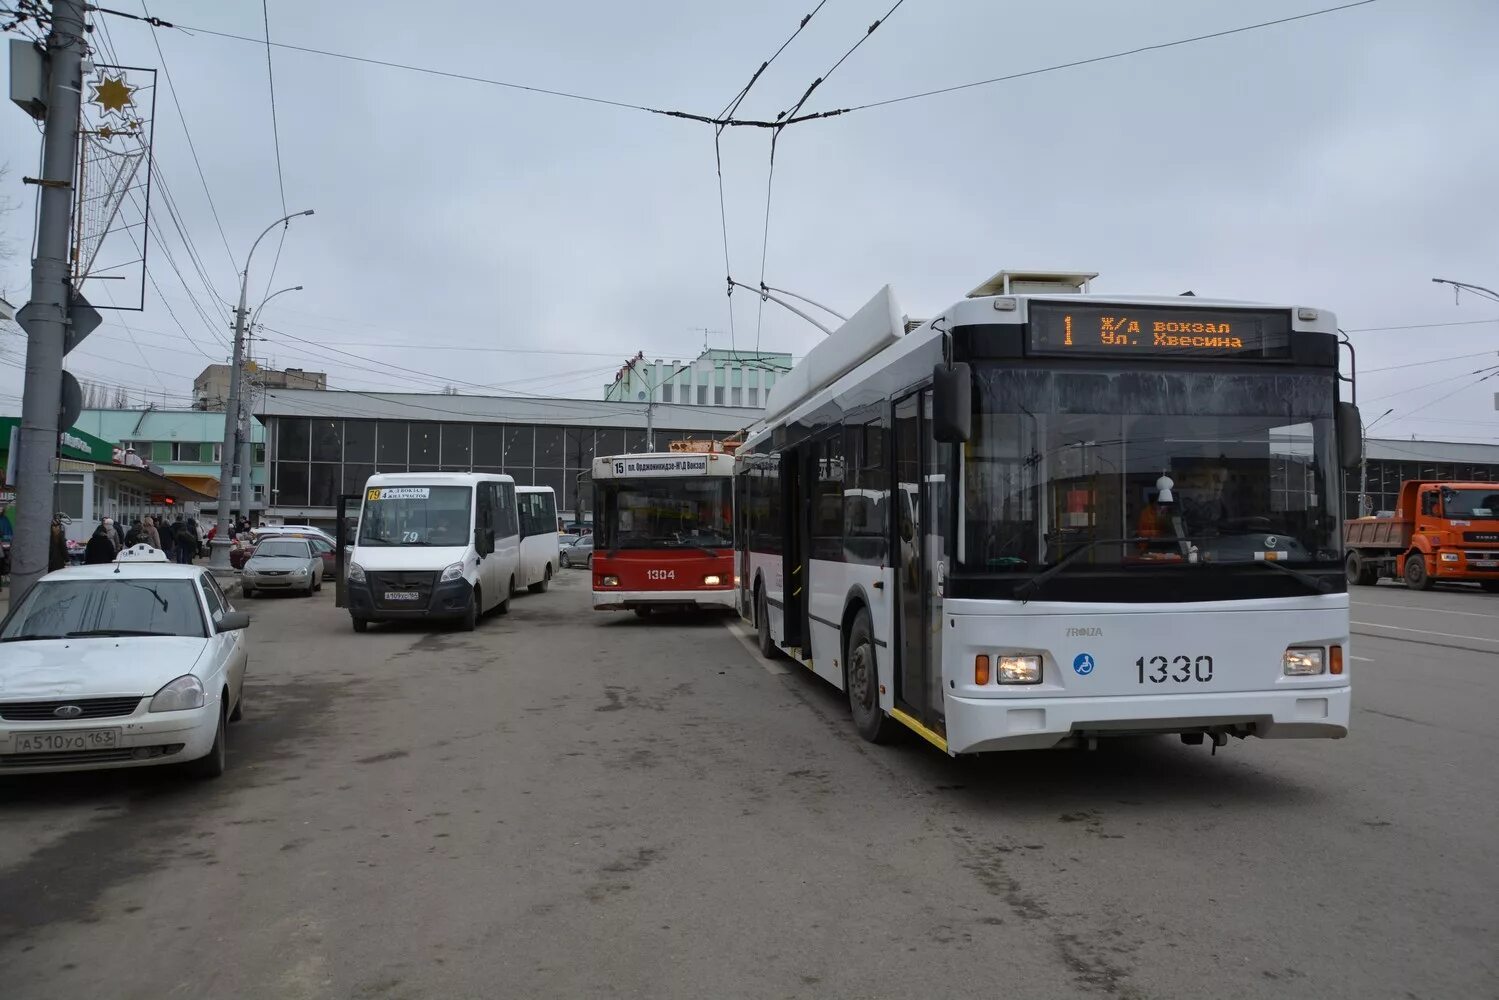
x=451 y=573
x=299 y=571
x=356 y=573
x=183 y=693
x=1020 y=670
x=712 y=580
x=1302 y=662
x=1449 y=557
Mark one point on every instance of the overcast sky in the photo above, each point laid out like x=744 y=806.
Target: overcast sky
x=1341 y=161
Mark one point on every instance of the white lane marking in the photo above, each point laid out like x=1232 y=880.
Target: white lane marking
x=1435 y=611
x=1361 y=659
x=740 y=632
x=1426 y=631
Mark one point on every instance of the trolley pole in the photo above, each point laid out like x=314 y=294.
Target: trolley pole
x=218 y=556
x=45 y=318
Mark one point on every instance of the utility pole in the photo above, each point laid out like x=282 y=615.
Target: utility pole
x=246 y=449
x=219 y=554
x=46 y=318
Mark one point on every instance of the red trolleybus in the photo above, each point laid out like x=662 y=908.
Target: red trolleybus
x=663 y=530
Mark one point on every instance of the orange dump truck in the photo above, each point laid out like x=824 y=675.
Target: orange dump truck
x=1440 y=532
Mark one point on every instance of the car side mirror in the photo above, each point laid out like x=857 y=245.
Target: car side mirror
x=952 y=402
x=1350 y=427
x=232 y=621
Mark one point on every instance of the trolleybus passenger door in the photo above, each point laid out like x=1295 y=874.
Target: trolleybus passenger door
x=919 y=499
x=796 y=501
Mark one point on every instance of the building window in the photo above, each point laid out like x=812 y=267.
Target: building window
x=549 y=441
x=702 y=395
x=520 y=442
x=323 y=484
x=457 y=447
x=260 y=454
x=737 y=396
x=718 y=395
x=610 y=442
x=359 y=441
x=292 y=437
x=328 y=441
x=666 y=393
x=754 y=396
x=489 y=447
x=257 y=492
x=390 y=445
x=291 y=484
x=424 y=444
x=70 y=496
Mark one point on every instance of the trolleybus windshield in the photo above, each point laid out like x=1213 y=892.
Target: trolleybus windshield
x=654 y=513
x=1188 y=467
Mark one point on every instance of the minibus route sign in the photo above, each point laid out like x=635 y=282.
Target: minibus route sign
x=398 y=493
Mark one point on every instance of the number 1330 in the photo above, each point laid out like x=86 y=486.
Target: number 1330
x=1179 y=669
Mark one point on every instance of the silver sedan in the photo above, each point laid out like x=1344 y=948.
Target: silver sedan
x=282 y=564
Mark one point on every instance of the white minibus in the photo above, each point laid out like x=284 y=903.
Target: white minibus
x=434 y=545
x=539 y=548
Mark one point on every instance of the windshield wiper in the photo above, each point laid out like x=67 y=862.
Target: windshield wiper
x=694 y=545
x=1320 y=584
x=1033 y=586
x=28 y=638
x=112 y=632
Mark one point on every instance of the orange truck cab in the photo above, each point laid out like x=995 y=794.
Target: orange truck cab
x=1440 y=532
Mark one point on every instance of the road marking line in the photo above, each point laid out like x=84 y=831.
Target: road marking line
x=1426 y=631
x=1436 y=611
x=740 y=632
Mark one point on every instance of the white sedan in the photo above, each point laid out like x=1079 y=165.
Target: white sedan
x=124 y=664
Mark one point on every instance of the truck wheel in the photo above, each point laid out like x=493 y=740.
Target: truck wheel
x=1416 y=577
x=1360 y=574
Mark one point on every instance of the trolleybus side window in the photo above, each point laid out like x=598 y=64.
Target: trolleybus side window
x=827 y=498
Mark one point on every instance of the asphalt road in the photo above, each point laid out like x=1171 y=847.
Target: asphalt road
x=566 y=804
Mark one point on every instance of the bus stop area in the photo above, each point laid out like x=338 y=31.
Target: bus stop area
x=573 y=803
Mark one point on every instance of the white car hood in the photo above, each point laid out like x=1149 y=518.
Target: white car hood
x=45 y=669
x=382 y=558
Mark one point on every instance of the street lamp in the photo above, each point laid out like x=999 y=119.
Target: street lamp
x=219 y=555
x=1458 y=287
x=1363 y=465
x=242 y=418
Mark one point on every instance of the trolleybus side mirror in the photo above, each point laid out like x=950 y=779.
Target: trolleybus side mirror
x=1350 y=436
x=952 y=402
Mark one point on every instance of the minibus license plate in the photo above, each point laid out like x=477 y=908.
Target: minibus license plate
x=402 y=595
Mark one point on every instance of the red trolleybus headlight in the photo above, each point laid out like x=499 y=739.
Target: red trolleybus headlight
x=608 y=581
x=712 y=580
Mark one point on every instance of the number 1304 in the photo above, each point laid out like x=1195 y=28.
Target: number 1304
x=1179 y=669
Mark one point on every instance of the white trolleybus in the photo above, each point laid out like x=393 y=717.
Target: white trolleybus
x=1047 y=517
x=663 y=530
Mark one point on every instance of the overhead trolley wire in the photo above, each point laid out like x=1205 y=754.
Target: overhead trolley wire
x=1094 y=59
x=172 y=89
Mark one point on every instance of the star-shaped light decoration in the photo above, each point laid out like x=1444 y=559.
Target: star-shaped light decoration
x=112 y=94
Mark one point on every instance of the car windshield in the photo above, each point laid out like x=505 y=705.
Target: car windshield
x=59 y=609
x=666 y=513
x=1474 y=504
x=283 y=547
x=416 y=515
x=1149 y=467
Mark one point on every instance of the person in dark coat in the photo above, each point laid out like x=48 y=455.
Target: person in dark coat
x=187 y=545
x=136 y=535
x=57 y=547
x=101 y=546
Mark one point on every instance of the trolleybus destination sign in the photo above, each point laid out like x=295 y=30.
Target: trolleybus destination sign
x=1126 y=329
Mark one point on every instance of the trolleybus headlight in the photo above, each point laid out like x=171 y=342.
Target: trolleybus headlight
x=712 y=580
x=451 y=573
x=608 y=581
x=356 y=573
x=1449 y=557
x=1019 y=670
x=1300 y=662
